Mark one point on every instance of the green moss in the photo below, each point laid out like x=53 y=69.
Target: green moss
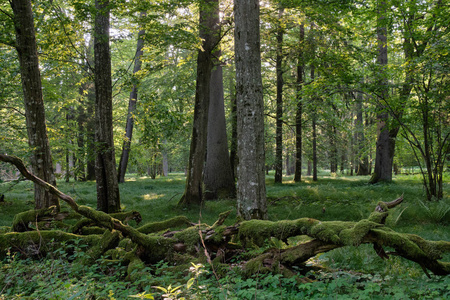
x=100 y=217
x=92 y=230
x=126 y=244
x=80 y=224
x=126 y=216
x=218 y=237
x=257 y=266
x=354 y=236
x=190 y=237
x=109 y=239
x=163 y=225
x=21 y=220
x=5 y=229
x=258 y=231
x=136 y=266
x=327 y=231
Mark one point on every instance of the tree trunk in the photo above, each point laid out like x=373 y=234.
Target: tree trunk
x=314 y=135
x=333 y=150
x=41 y=159
x=123 y=162
x=218 y=180
x=90 y=113
x=314 y=147
x=108 y=197
x=384 y=155
x=251 y=193
x=299 y=112
x=80 y=172
x=234 y=160
x=209 y=27
x=165 y=159
x=90 y=134
x=362 y=157
x=279 y=109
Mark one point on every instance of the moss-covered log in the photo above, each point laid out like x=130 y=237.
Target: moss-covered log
x=149 y=246
x=164 y=225
x=333 y=234
x=21 y=221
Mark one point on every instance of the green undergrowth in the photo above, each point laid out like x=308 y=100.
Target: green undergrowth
x=55 y=278
x=348 y=273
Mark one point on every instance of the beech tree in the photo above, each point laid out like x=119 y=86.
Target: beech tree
x=218 y=179
x=41 y=159
x=251 y=187
x=209 y=34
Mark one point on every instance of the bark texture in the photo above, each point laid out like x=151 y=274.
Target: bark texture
x=108 y=197
x=279 y=120
x=362 y=167
x=385 y=146
x=251 y=188
x=123 y=162
x=218 y=179
x=299 y=111
x=209 y=27
x=41 y=159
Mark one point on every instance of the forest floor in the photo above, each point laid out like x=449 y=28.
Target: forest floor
x=344 y=273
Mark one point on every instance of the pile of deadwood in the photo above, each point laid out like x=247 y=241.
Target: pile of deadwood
x=34 y=233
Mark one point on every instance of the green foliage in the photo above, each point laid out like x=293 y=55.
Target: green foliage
x=350 y=272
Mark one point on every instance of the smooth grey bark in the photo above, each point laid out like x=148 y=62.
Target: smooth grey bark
x=209 y=32
x=218 y=178
x=108 y=197
x=251 y=188
x=299 y=111
x=41 y=159
x=279 y=104
x=126 y=147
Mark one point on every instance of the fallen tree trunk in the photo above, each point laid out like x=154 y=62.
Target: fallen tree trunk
x=151 y=247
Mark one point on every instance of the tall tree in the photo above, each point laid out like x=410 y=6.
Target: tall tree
x=251 y=188
x=108 y=197
x=385 y=146
x=279 y=110
x=123 y=162
x=314 y=131
x=218 y=179
x=234 y=160
x=362 y=164
x=209 y=33
x=41 y=159
x=299 y=111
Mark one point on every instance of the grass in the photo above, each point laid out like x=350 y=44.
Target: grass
x=330 y=198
